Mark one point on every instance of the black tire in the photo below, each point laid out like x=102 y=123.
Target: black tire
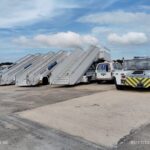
x=45 y=81
x=89 y=79
x=119 y=87
x=99 y=81
x=113 y=81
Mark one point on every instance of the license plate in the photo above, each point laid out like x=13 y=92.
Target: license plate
x=103 y=74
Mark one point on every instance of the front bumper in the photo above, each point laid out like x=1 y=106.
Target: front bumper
x=136 y=82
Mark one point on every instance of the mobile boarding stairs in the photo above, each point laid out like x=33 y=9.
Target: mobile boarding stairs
x=72 y=69
x=40 y=72
x=8 y=76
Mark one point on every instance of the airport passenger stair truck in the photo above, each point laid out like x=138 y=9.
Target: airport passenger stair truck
x=135 y=73
x=9 y=76
x=40 y=73
x=72 y=70
x=22 y=74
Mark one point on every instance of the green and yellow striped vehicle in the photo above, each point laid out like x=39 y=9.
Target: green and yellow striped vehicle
x=135 y=73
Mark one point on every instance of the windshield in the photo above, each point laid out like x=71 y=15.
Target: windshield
x=117 y=66
x=103 y=67
x=137 y=64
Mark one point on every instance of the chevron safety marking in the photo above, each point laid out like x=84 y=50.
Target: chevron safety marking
x=135 y=81
x=146 y=83
x=129 y=81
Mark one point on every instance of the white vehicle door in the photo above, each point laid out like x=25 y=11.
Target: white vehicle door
x=103 y=71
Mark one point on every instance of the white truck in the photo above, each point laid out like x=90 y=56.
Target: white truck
x=105 y=71
x=135 y=73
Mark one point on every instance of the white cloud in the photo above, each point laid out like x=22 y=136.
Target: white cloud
x=117 y=17
x=129 y=38
x=18 y=12
x=60 y=40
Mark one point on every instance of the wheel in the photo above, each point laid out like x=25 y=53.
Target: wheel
x=89 y=79
x=99 y=82
x=113 y=81
x=45 y=81
x=119 y=87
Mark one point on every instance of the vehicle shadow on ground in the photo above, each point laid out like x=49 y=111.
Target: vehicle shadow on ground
x=136 y=89
x=80 y=84
x=127 y=88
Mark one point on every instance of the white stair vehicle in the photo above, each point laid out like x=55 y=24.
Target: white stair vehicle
x=8 y=77
x=72 y=70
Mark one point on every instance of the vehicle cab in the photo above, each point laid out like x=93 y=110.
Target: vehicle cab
x=135 y=73
x=105 y=71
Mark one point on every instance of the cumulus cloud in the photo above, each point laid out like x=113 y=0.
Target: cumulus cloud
x=60 y=40
x=116 y=17
x=129 y=38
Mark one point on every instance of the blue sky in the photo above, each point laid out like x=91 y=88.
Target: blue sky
x=34 y=26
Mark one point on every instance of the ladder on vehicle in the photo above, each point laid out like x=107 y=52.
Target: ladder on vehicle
x=21 y=76
x=36 y=76
x=8 y=77
x=71 y=71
